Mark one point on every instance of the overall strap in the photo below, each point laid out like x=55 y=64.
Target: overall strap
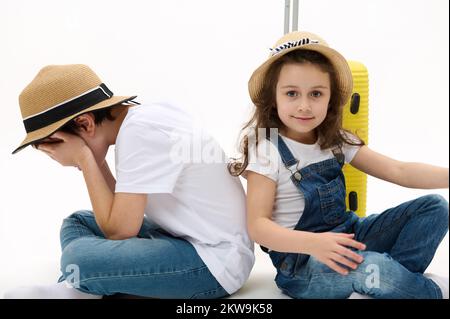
x=339 y=155
x=289 y=159
x=286 y=155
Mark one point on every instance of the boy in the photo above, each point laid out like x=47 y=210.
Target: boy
x=167 y=228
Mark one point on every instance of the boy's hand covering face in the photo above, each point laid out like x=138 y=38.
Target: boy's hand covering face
x=67 y=149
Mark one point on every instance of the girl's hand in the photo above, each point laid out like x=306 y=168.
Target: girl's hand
x=331 y=249
x=67 y=149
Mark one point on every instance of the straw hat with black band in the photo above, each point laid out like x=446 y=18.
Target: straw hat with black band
x=58 y=94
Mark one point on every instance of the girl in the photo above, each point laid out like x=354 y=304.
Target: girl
x=296 y=188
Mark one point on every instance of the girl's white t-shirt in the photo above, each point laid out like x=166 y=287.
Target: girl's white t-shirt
x=191 y=195
x=289 y=201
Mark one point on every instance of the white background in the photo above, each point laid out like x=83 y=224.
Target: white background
x=200 y=55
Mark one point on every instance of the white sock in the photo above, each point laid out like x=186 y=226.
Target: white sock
x=357 y=295
x=61 y=290
x=441 y=281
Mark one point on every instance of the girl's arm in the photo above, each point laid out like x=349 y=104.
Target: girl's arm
x=260 y=200
x=412 y=175
x=328 y=248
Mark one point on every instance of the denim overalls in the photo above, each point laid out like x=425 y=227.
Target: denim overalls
x=401 y=241
x=323 y=187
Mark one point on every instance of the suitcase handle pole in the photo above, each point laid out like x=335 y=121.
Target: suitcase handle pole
x=287 y=13
x=287 y=16
x=295 y=16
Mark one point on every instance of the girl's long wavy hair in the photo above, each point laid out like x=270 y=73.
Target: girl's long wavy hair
x=265 y=116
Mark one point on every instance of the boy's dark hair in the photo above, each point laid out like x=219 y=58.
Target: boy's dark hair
x=99 y=117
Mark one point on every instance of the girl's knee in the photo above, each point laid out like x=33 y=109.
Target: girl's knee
x=439 y=206
x=436 y=201
x=435 y=206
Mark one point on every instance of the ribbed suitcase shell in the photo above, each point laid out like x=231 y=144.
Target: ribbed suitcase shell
x=356 y=120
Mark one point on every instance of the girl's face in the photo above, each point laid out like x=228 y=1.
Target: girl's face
x=302 y=96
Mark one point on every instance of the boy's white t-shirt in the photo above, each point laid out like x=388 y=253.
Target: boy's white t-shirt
x=289 y=201
x=158 y=152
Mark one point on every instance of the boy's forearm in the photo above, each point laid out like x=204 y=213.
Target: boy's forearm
x=109 y=177
x=100 y=194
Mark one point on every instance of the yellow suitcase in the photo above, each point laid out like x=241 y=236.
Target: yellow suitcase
x=356 y=120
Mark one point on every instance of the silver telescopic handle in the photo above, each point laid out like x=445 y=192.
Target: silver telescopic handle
x=295 y=16
x=287 y=16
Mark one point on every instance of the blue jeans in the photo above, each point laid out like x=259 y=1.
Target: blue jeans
x=401 y=243
x=153 y=264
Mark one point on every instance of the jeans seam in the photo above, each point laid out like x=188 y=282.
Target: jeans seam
x=387 y=284
x=211 y=291
x=143 y=274
x=80 y=222
x=364 y=274
x=377 y=233
x=77 y=224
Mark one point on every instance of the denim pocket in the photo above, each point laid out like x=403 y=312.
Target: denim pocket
x=332 y=201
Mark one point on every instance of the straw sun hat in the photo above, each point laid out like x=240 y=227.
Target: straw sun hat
x=58 y=94
x=304 y=41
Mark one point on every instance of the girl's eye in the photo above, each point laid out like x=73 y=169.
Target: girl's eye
x=316 y=94
x=291 y=93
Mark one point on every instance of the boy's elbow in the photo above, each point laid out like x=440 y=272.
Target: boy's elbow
x=119 y=234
